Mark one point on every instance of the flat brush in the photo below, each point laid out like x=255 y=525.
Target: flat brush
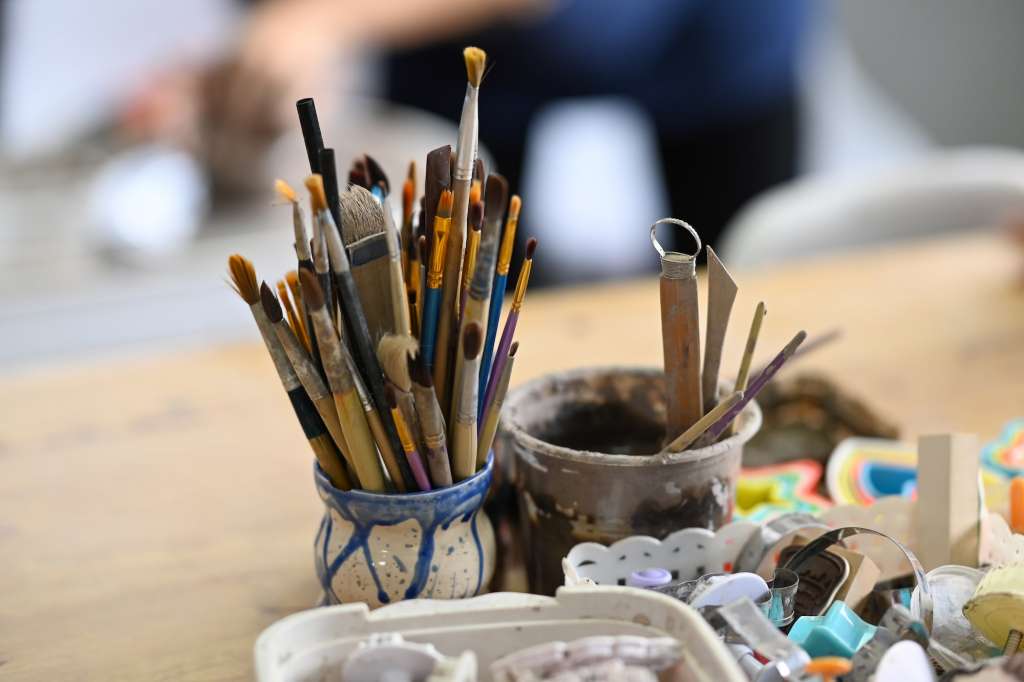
x=464 y=426
x=431 y=421
x=243 y=277
x=680 y=333
x=508 y=239
x=408 y=444
x=722 y=291
x=302 y=252
x=479 y=297
x=365 y=358
x=364 y=232
x=500 y=357
x=362 y=450
x=759 y=382
x=465 y=155
x=748 y=353
x=308 y=376
x=435 y=278
x=688 y=437
x=476 y=219
x=489 y=424
x=311 y=135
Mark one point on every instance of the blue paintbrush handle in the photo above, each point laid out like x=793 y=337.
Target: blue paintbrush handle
x=431 y=303
x=497 y=298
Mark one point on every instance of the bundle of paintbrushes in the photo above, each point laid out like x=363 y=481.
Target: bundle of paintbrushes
x=384 y=336
x=697 y=416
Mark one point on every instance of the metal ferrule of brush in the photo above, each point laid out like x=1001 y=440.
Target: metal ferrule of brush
x=466 y=146
x=524 y=278
x=436 y=271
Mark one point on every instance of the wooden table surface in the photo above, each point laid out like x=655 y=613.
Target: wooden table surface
x=156 y=513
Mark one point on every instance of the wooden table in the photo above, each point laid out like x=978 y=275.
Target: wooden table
x=157 y=513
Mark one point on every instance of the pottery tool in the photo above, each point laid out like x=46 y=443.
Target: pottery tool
x=479 y=294
x=721 y=295
x=311 y=136
x=997 y=607
x=759 y=382
x=243 y=278
x=308 y=376
x=431 y=421
x=687 y=438
x=748 y=353
x=489 y=423
x=680 y=332
x=463 y=428
x=508 y=239
x=438 y=178
x=361 y=445
x=465 y=156
x=505 y=343
x=364 y=356
x=948 y=502
x=435 y=275
x=293 y=319
x=408 y=444
x=476 y=218
x=365 y=235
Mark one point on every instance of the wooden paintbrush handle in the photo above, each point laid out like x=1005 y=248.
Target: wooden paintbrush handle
x=464 y=442
x=329 y=413
x=386 y=451
x=680 y=337
x=363 y=453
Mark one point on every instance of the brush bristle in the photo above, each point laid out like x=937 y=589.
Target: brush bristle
x=476 y=60
x=497 y=195
x=531 y=246
x=361 y=215
x=475 y=191
x=389 y=396
x=514 y=349
x=311 y=291
x=394 y=352
x=419 y=372
x=407 y=197
x=422 y=252
x=476 y=215
x=515 y=206
x=478 y=170
x=317 y=195
x=270 y=305
x=243 y=278
x=444 y=204
x=285 y=191
x=376 y=174
x=292 y=277
x=472 y=339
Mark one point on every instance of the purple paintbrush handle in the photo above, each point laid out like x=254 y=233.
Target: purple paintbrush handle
x=500 y=358
x=419 y=472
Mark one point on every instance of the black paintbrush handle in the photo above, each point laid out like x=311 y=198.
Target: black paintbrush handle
x=311 y=135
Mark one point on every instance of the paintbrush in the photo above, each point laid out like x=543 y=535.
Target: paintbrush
x=680 y=333
x=508 y=238
x=364 y=231
x=361 y=445
x=479 y=297
x=422 y=254
x=302 y=252
x=465 y=155
x=438 y=178
x=394 y=351
x=435 y=276
x=291 y=278
x=489 y=424
x=311 y=136
x=431 y=422
x=293 y=318
x=322 y=265
x=397 y=467
x=401 y=321
x=243 y=277
x=329 y=172
x=380 y=186
x=463 y=428
x=352 y=310
x=476 y=219
x=721 y=295
x=407 y=238
x=687 y=438
x=505 y=343
x=412 y=455
x=748 y=353
x=759 y=382
x=308 y=376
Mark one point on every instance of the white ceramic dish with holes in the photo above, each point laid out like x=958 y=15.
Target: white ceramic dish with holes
x=312 y=645
x=687 y=554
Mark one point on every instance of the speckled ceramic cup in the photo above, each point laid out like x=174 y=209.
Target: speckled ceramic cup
x=381 y=549
x=577 y=448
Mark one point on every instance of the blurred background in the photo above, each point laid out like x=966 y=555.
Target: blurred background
x=139 y=138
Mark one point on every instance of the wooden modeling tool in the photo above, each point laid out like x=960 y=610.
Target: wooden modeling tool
x=748 y=353
x=721 y=295
x=464 y=426
x=465 y=156
x=489 y=423
x=351 y=414
x=688 y=437
x=680 y=333
x=243 y=277
x=508 y=239
x=431 y=422
x=365 y=235
x=948 y=502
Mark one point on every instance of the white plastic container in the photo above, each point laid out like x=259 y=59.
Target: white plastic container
x=312 y=645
